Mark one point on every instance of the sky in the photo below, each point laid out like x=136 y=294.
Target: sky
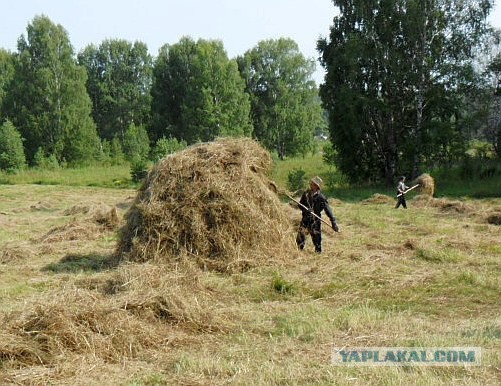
x=239 y=24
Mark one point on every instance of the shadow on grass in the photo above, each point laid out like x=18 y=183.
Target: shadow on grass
x=75 y=263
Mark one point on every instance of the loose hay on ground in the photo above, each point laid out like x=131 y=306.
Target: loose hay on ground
x=444 y=204
x=75 y=230
x=74 y=321
x=212 y=202
x=12 y=252
x=377 y=198
x=90 y=228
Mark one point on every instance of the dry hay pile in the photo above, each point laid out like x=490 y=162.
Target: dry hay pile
x=98 y=213
x=377 y=198
x=113 y=318
x=74 y=321
x=426 y=184
x=98 y=219
x=213 y=202
x=12 y=252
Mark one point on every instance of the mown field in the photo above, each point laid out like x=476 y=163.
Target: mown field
x=428 y=276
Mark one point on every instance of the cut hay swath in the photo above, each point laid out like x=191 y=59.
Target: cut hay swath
x=211 y=202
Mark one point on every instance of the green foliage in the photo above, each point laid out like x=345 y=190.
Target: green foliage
x=94 y=175
x=42 y=161
x=479 y=168
x=330 y=154
x=312 y=164
x=111 y=152
x=165 y=146
x=296 y=180
x=198 y=93
x=12 y=157
x=117 y=155
x=481 y=150
x=282 y=286
x=7 y=61
x=138 y=169
x=136 y=144
x=119 y=81
x=46 y=99
x=396 y=84
x=286 y=110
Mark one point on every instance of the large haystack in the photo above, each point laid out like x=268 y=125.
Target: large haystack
x=426 y=184
x=212 y=202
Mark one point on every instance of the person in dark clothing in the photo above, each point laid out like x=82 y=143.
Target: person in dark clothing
x=401 y=188
x=313 y=201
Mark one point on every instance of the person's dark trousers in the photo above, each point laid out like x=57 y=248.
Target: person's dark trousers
x=313 y=228
x=316 y=236
x=301 y=237
x=401 y=201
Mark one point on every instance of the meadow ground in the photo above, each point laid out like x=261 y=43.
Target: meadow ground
x=428 y=276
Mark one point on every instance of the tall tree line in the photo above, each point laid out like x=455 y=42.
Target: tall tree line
x=46 y=98
x=399 y=73
x=402 y=92
x=115 y=97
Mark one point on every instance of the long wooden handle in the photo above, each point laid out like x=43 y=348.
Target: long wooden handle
x=310 y=211
x=408 y=190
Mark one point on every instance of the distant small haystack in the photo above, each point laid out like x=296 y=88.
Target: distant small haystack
x=211 y=202
x=377 y=198
x=426 y=184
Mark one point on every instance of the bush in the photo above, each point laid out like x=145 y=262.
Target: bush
x=12 y=156
x=165 y=146
x=138 y=169
x=296 y=179
x=45 y=162
x=117 y=155
x=281 y=285
x=111 y=153
x=136 y=143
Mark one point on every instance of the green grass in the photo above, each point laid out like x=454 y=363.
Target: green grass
x=99 y=176
x=311 y=164
x=474 y=188
x=448 y=183
x=79 y=263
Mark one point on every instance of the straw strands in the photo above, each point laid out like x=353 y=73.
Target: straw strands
x=212 y=202
x=426 y=184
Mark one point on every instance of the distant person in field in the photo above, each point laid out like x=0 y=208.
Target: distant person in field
x=313 y=201
x=401 y=188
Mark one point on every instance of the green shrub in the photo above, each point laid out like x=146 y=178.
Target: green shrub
x=111 y=153
x=117 y=155
x=165 y=146
x=281 y=285
x=136 y=143
x=138 y=169
x=12 y=158
x=45 y=162
x=296 y=179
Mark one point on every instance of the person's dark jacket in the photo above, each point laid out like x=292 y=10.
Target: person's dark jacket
x=317 y=203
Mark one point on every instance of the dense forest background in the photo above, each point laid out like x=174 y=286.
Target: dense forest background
x=410 y=86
